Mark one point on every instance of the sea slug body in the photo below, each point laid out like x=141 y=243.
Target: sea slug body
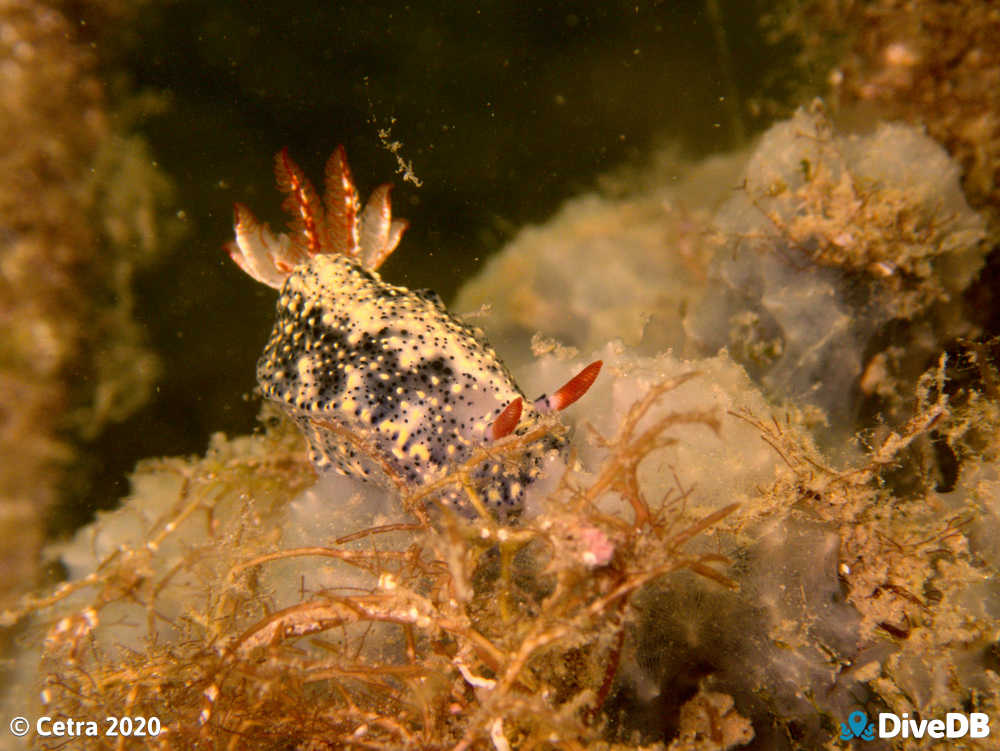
x=385 y=384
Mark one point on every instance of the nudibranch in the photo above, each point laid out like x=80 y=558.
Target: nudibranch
x=386 y=385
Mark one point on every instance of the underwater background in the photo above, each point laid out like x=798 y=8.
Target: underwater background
x=503 y=111
x=590 y=171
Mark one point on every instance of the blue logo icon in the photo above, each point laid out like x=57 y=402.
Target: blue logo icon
x=857 y=726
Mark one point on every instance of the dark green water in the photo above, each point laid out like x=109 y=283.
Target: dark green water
x=504 y=110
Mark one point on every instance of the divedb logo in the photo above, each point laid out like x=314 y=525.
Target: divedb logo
x=954 y=725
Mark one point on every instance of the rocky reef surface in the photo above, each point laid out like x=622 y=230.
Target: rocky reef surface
x=780 y=505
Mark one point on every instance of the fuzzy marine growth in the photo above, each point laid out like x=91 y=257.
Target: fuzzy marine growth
x=384 y=382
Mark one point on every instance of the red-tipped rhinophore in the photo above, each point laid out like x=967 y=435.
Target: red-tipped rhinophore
x=506 y=421
x=572 y=390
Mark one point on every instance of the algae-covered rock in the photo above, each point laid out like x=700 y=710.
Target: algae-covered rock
x=698 y=570
x=333 y=596
x=829 y=239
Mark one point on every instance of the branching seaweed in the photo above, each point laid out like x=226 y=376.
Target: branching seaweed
x=906 y=563
x=470 y=634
